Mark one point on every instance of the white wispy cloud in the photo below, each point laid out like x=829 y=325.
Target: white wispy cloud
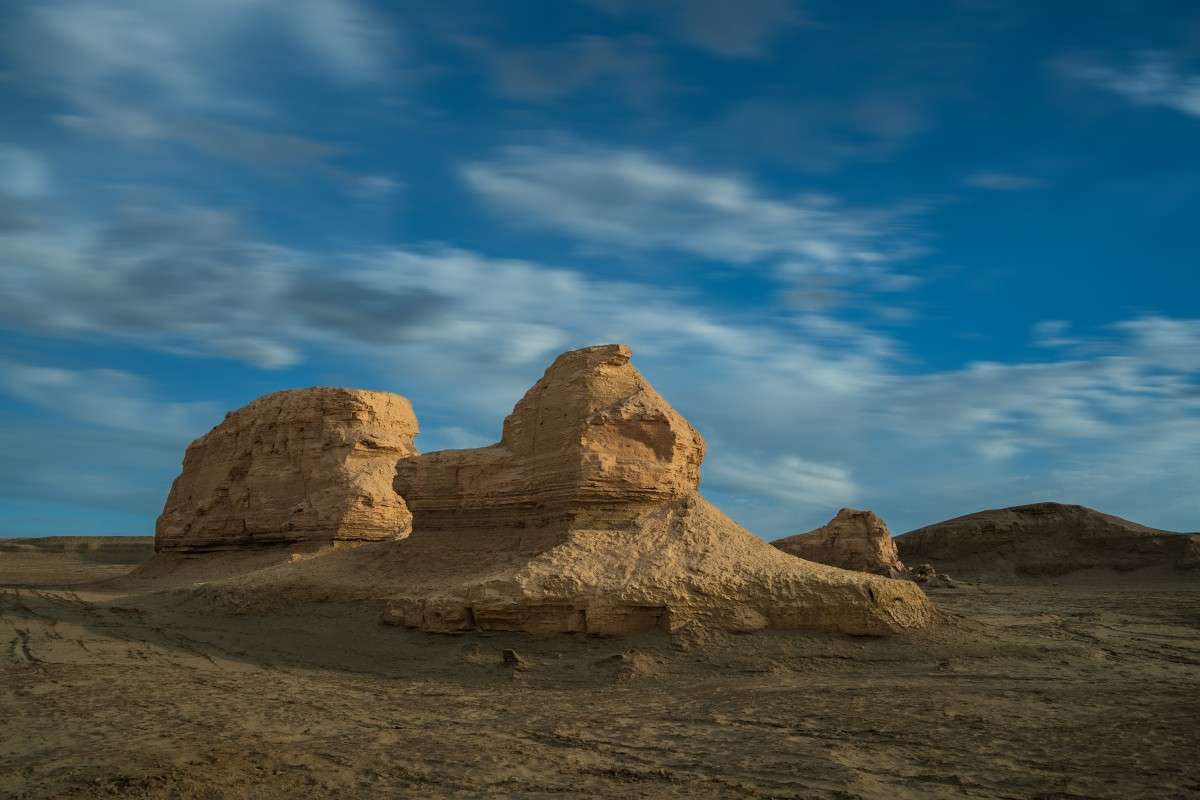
x=1003 y=181
x=743 y=30
x=144 y=71
x=790 y=479
x=1148 y=78
x=629 y=64
x=96 y=52
x=25 y=181
x=22 y=173
x=107 y=398
x=629 y=200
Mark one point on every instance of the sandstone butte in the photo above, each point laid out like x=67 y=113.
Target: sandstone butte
x=584 y=517
x=305 y=466
x=853 y=539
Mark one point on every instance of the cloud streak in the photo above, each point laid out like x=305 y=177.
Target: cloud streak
x=630 y=201
x=743 y=30
x=1150 y=78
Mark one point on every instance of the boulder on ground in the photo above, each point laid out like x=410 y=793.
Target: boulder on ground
x=853 y=539
x=302 y=466
x=925 y=576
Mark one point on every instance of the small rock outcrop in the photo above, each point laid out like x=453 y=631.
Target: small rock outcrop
x=1046 y=540
x=925 y=576
x=302 y=466
x=853 y=539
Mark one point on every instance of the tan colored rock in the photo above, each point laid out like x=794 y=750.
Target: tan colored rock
x=853 y=539
x=592 y=431
x=310 y=466
x=586 y=517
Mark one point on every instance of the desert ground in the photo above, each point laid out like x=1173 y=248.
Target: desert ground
x=1087 y=688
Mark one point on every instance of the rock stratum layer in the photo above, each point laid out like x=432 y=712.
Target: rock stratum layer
x=853 y=539
x=584 y=517
x=309 y=466
x=591 y=433
x=1046 y=540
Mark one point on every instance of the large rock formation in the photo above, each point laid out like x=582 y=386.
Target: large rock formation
x=857 y=540
x=1046 y=540
x=586 y=517
x=309 y=466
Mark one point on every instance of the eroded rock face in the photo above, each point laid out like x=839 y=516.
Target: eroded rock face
x=591 y=432
x=853 y=539
x=586 y=517
x=309 y=466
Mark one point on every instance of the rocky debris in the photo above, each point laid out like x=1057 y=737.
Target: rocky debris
x=926 y=576
x=631 y=664
x=1046 y=540
x=585 y=517
x=512 y=659
x=298 y=466
x=1191 y=554
x=853 y=539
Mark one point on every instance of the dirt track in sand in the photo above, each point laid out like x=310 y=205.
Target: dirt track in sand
x=1051 y=692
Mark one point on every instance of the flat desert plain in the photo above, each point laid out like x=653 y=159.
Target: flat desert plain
x=108 y=688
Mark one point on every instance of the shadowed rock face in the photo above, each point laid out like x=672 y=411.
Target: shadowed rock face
x=857 y=540
x=1046 y=540
x=303 y=466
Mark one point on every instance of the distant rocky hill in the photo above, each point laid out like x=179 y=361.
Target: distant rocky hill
x=68 y=560
x=1047 y=540
x=100 y=549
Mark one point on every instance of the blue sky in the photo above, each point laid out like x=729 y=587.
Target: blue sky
x=919 y=258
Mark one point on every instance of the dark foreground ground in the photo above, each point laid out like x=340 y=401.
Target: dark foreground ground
x=1088 y=691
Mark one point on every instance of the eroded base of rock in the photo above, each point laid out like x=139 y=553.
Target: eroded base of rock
x=662 y=569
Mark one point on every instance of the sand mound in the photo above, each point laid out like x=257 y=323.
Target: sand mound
x=298 y=466
x=585 y=517
x=857 y=540
x=1046 y=540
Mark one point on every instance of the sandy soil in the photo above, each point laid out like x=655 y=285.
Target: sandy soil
x=1090 y=690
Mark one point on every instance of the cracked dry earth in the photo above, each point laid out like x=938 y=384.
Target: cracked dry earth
x=1048 y=692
